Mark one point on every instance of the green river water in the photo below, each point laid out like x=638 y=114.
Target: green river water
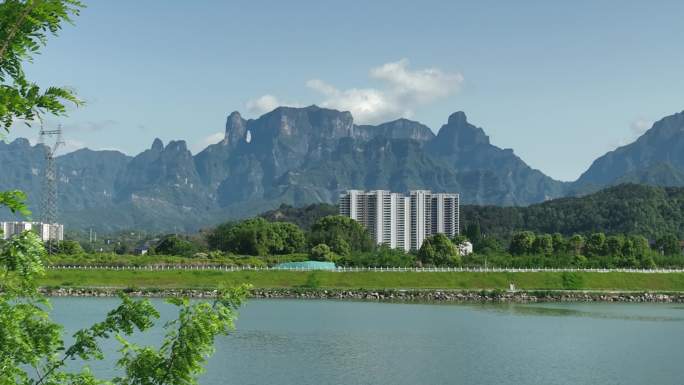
x=298 y=342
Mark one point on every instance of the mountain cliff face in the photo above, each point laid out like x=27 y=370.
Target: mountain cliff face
x=167 y=173
x=657 y=158
x=86 y=178
x=397 y=129
x=304 y=155
x=487 y=173
x=299 y=156
x=21 y=166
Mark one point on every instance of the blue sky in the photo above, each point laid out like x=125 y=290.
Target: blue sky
x=559 y=82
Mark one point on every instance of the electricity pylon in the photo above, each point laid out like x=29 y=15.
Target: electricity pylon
x=51 y=141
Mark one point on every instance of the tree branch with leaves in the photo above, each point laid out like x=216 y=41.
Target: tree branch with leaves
x=32 y=350
x=24 y=28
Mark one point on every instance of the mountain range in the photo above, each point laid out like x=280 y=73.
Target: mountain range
x=299 y=156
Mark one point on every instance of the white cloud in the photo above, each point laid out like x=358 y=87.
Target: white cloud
x=367 y=105
x=263 y=104
x=640 y=126
x=403 y=90
x=266 y=103
x=422 y=86
x=206 y=141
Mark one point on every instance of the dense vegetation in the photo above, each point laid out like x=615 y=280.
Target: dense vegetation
x=625 y=209
x=624 y=226
x=258 y=242
x=304 y=217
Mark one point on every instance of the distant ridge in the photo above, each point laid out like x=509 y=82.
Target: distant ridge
x=299 y=156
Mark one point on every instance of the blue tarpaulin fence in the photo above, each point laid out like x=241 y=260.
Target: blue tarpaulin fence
x=306 y=265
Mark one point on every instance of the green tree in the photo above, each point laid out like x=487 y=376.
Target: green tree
x=24 y=28
x=543 y=244
x=14 y=201
x=613 y=245
x=385 y=256
x=33 y=352
x=332 y=230
x=174 y=245
x=251 y=237
x=473 y=233
x=522 y=242
x=340 y=245
x=459 y=239
x=640 y=245
x=69 y=247
x=488 y=245
x=594 y=245
x=668 y=245
x=257 y=236
x=218 y=239
x=438 y=250
x=642 y=252
x=560 y=245
x=321 y=252
x=293 y=238
x=576 y=244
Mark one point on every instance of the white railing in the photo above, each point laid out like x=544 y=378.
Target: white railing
x=343 y=269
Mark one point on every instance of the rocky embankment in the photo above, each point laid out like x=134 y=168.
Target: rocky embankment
x=390 y=295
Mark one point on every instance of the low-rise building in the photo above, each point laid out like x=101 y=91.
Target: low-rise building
x=465 y=248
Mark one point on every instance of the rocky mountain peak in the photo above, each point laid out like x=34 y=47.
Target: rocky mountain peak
x=302 y=125
x=660 y=148
x=157 y=145
x=397 y=129
x=667 y=127
x=176 y=146
x=457 y=118
x=21 y=142
x=458 y=133
x=236 y=128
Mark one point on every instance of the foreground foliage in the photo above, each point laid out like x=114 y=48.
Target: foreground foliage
x=32 y=349
x=24 y=28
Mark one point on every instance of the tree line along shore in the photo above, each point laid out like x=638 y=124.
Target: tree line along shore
x=260 y=242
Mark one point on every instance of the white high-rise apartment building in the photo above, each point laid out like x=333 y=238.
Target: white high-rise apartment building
x=402 y=221
x=45 y=231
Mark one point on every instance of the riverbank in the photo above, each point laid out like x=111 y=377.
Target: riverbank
x=380 y=285
x=461 y=281
x=390 y=295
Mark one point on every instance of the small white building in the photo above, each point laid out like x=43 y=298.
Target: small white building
x=465 y=248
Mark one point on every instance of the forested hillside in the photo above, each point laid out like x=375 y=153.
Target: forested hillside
x=623 y=209
x=303 y=217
